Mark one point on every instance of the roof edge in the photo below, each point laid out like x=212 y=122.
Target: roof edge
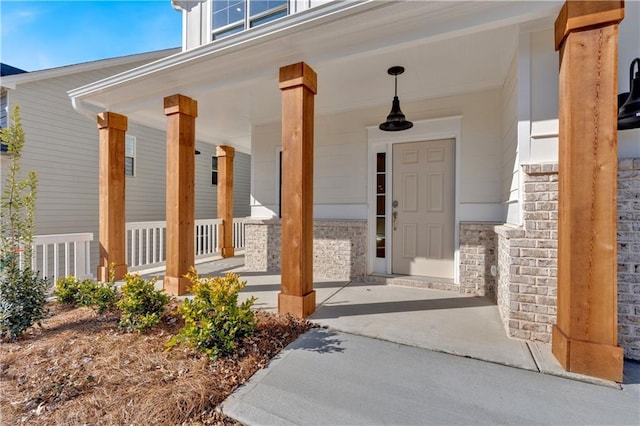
x=12 y=80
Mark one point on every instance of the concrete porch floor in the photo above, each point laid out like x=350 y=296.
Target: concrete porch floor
x=441 y=321
x=397 y=355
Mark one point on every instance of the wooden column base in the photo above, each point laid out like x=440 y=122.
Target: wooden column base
x=176 y=286
x=592 y=359
x=119 y=270
x=299 y=306
x=227 y=251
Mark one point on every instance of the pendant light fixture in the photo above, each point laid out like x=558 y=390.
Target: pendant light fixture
x=395 y=120
x=629 y=112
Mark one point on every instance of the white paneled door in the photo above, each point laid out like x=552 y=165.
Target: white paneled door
x=423 y=208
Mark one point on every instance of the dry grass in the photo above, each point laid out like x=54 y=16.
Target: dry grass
x=79 y=368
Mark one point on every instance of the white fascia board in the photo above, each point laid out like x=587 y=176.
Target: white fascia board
x=12 y=80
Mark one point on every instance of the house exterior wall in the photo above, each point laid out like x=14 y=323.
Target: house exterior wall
x=340 y=174
x=527 y=258
x=62 y=147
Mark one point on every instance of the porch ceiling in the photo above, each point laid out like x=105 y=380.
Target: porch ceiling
x=446 y=48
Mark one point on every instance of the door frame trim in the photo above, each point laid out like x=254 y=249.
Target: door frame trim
x=379 y=141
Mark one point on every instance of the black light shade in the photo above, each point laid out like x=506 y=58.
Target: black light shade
x=629 y=112
x=395 y=120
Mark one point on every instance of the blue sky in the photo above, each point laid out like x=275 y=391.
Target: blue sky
x=45 y=34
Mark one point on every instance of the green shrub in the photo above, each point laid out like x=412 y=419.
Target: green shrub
x=22 y=292
x=22 y=299
x=141 y=304
x=99 y=296
x=67 y=290
x=214 y=321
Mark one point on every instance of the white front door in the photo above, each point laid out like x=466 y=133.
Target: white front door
x=423 y=208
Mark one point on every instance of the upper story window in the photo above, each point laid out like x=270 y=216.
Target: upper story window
x=130 y=156
x=232 y=16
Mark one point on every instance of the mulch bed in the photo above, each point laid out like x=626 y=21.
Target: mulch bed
x=80 y=368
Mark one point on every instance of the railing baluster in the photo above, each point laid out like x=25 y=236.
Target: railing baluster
x=148 y=248
x=55 y=262
x=140 y=246
x=66 y=259
x=45 y=260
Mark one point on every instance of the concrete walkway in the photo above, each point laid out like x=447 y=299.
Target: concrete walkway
x=397 y=355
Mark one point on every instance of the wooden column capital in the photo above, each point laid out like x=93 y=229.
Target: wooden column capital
x=175 y=104
x=225 y=151
x=299 y=74
x=112 y=120
x=580 y=14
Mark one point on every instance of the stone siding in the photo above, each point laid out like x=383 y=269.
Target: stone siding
x=478 y=252
x=629 y=256
x=339 y=247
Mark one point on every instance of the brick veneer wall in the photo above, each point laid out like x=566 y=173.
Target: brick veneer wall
x=478 y=252
x=629 y=256
x=527 y=258
x=339 y=247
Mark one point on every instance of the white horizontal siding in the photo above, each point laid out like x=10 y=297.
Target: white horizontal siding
x=340 y=167
x=510 y=166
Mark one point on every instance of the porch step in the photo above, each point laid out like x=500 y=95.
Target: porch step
x=411 y=281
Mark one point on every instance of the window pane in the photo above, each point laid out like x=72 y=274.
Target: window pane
x=214 y=163
x=130 y=146
x=380 y=184
x=227 y=12
x=381 y=162
x=257 y=7
x=380 y=205
x=214 y=178
x=269 y=18
x=380 y=237
x=128 y=166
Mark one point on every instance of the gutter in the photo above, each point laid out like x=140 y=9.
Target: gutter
x=83 y=108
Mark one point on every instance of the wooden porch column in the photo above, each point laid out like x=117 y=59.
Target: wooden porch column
x=111 y=193
x=298 y=86
x=181 y=113
x=585 y=338
x=225 y=156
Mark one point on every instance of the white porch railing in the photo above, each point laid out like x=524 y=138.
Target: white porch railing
x=145 y=246
x=62 y=255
